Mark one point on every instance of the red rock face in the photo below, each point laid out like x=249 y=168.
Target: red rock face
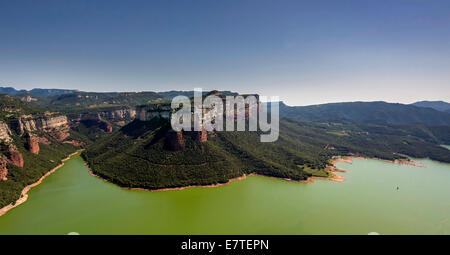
x=3 y=169
x=15 y=158
x=33 y=145
x=175 y=141
x=200 y=136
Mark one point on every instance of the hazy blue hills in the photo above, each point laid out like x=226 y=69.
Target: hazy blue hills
x=433 y=113
x=369 y=112
x=35 y=92
x=437 y=105
x=190 y=93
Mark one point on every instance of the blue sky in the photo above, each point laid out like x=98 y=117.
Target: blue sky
x=305 y=52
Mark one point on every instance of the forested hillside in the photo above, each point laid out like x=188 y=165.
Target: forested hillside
x=136 y=155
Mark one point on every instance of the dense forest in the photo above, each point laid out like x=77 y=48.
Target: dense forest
x=135 y=156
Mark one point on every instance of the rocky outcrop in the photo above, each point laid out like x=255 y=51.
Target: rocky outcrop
x=118 y=115
x=174 y=141
x=105 y=126
x=28 y=99
x=32 y=144
x=3 y=169
x=43 y=123
x=148 y=112
x=5 y=133
x=201 y=136
x=13 y=155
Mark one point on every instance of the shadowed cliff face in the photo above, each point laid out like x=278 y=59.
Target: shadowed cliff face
x=174 y=141
x=200 y=136
x=93 y=119
x=148 y=112
x=33 y=144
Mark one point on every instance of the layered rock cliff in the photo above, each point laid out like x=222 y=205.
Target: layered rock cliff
x=118 y=115
x=148 y=112
x=34 y=123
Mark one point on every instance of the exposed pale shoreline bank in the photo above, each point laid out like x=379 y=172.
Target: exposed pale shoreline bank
x=348 y=159
x=24 y=194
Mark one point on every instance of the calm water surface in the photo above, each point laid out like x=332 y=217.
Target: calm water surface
x=71 y=200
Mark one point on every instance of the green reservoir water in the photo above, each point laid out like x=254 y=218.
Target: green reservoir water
x=71 y=200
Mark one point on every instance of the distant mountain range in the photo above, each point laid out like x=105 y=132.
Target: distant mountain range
x=433 y=113
x=370 y=112
x=437 y=105
x=36 y=92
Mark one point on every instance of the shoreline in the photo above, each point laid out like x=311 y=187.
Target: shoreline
x=24 y=194
x=332 y=170
x=177 y=188
x=348 y=159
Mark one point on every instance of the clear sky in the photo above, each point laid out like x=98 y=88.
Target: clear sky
x=305 y=52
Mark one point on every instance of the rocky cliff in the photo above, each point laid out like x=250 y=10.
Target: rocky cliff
x=29 y=123
x=14 y=157
x=32 y=144
x=148 y=112
x=3 y=169
x=5 y=133
x=201 y=136
x=118 y=115
x=174 y=141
